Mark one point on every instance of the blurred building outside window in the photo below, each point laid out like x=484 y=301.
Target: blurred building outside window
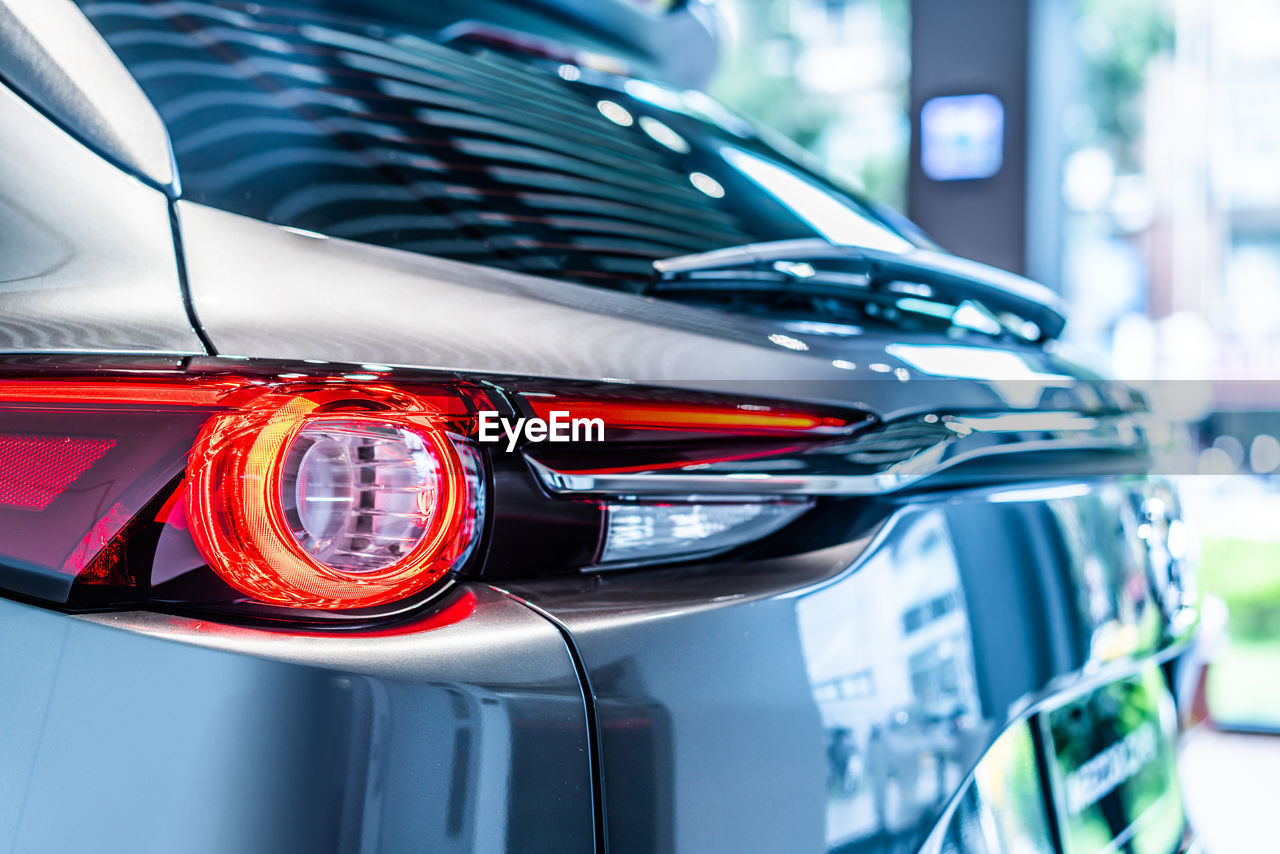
x=1169 y=240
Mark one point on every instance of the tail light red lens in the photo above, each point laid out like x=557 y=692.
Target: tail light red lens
x=320 y=493
x=717 y=419
x=332 y=498
x=79 y=459
x=262 y=490
x=34 y=470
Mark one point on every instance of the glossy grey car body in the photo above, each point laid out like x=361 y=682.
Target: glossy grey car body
x=832 y=690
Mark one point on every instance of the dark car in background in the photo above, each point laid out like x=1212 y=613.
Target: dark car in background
x=844 y=557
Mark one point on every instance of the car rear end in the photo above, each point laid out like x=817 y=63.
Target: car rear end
x=827 y=554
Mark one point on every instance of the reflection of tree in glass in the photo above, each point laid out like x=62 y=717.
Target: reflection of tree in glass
x=1115 y=767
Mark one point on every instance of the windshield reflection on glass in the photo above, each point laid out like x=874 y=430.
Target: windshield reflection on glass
x=824 y=212
x=321 y=121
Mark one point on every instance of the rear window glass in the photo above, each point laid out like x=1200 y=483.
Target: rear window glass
x=434 y=142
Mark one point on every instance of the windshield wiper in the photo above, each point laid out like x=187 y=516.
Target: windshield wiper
x=919 y=282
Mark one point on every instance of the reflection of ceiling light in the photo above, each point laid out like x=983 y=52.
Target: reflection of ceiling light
x=799 y=269
x=302 y=232
x=834 y=218
x=659 y=96
x=922 y=306
x=1040 y=493
x=615 y=113
x=969 y=315
x=1017 y=382
x=788 y=342
x=664 y=135
x=707 y=184
x=817 y=327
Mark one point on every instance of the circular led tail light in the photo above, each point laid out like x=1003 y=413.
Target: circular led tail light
x=331 y=499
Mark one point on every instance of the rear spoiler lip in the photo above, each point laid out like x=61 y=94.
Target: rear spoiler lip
x=961 y=277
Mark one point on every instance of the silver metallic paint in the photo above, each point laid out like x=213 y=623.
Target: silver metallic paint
x=152 y=734
x=52 y=54
x=87 y=261
x=711 y=681
x=267 y=291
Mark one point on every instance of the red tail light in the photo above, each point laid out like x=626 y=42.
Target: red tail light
x=318 y=493
x=691 y=417
x=34 y=470
x=232 y=486
x=78 y=460
x=332 y=497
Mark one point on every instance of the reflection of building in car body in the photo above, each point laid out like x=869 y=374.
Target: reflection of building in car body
x=915 y=685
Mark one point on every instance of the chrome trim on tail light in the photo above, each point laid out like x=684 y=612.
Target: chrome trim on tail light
x=917 y=449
